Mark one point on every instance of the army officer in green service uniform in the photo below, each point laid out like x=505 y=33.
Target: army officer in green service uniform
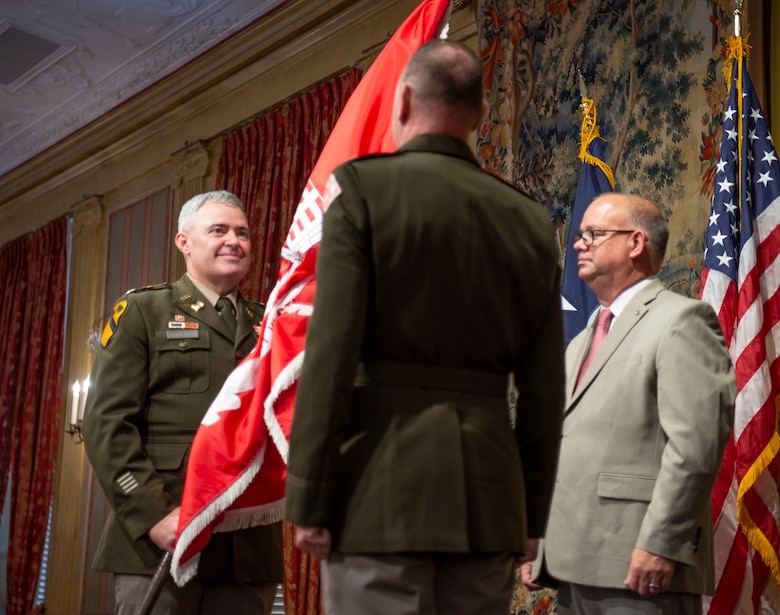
x=435 y=281
x=164 y=356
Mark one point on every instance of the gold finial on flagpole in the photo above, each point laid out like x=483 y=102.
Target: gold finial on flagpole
x=738 y=18
x=590 y=131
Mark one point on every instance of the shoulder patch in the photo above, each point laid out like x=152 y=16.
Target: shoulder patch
x=113 y=323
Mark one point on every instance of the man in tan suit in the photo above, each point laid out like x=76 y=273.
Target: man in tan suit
x=647 y=418
x=435 y=280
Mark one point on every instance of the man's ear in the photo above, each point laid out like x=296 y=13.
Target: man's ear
x=182 y=243
x=638 y=241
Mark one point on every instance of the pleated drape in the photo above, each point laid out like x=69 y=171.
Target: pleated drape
x=266 y=164
x=32 y=322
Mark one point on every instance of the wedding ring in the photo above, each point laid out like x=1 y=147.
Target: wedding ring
x=653 y=587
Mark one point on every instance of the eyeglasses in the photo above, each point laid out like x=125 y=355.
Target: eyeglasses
x=591 y=234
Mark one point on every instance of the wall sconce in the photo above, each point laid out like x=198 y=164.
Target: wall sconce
x=78 y=402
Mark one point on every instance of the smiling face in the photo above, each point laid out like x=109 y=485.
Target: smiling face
x=216 y=246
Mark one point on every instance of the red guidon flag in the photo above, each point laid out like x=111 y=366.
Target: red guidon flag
x=238 y=464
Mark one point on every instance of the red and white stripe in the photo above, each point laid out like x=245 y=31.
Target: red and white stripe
x=746 y=490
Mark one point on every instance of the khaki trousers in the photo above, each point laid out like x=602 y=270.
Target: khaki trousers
x=195 y=598
x=576 y=599
x=418 y=584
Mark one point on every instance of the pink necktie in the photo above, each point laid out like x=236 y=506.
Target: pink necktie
x=602 y=328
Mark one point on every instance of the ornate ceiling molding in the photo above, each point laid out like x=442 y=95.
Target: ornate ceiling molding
x=173 y=34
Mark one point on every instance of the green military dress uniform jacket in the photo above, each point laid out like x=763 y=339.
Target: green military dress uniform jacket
x=165 y=355
x=434 y=281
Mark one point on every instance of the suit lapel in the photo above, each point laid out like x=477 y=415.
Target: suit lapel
x=578 y=348
x=246 y=318
x=631 y=315
x=189 y=300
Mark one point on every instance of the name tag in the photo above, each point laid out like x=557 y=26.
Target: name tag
x=180 y=334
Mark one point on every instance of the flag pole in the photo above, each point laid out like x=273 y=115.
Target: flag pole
x=740 y=65
x=155 y=587
x=738 y=18
x=583 y=89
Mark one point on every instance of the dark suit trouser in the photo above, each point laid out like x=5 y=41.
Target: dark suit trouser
x=418 y=584
x=576 y=599
x=195 y=598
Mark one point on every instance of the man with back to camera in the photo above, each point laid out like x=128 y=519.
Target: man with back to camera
x=649 y=410
x=164 y=356
x=435 y=281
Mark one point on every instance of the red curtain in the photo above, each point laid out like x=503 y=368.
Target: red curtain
x=32 y=314
x=266 y=164
x=12 y=272
x=301 y=578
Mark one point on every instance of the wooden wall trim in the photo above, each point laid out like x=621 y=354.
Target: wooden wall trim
x=296 y=46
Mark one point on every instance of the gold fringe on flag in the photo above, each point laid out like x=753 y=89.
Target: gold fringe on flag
x=754 y=533
x=588 y=132
x=737 y=48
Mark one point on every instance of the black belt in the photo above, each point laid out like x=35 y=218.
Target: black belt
x=432 y=376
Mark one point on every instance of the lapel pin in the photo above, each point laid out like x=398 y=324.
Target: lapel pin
x=197 y=306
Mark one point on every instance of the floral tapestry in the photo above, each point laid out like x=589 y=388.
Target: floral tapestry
x=654 y=70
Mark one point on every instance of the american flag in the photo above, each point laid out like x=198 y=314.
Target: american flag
x=741 y=279
x=237 y=467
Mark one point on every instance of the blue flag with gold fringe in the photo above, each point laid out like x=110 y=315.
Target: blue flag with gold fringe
x=596 y=177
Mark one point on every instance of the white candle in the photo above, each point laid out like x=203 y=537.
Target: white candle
x=74 y=405
x=83 y=404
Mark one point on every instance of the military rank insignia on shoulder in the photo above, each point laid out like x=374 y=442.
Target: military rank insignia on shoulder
x=141 y=289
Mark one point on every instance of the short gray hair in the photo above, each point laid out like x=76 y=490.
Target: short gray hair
x=447 y=72
x=191 y=207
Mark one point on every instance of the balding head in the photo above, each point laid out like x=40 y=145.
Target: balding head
x=646 y=216
x=439 y=92
x=627 y=243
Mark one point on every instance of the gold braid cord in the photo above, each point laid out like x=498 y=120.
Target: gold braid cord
x=588 y=132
